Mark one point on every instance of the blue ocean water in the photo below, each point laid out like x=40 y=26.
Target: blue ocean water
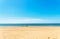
x=33 y=24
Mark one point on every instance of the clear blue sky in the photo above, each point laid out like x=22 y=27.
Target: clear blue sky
x=45 y=10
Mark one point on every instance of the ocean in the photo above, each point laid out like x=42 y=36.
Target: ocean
x=32 y=24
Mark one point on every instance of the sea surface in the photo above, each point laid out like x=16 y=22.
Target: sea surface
x=32 y=24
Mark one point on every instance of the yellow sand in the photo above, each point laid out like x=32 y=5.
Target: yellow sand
x=30 y=32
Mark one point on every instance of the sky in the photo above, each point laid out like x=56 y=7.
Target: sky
x=29 y=11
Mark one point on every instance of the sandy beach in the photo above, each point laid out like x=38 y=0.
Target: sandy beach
x=33 y=32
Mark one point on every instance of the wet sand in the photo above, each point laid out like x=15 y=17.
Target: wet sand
x=33 y=32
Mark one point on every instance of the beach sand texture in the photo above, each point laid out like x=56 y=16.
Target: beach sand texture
x=29 y=32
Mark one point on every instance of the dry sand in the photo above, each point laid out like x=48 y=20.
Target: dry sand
x=30 y=32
